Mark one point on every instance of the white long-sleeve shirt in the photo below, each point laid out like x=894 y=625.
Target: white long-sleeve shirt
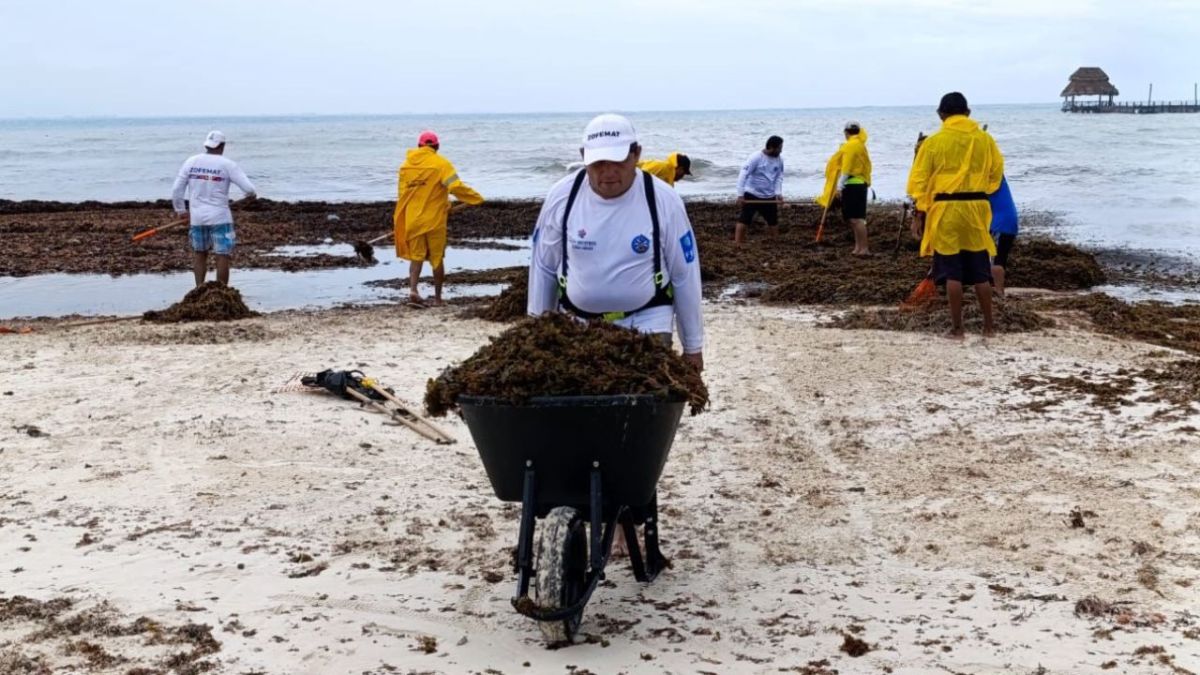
x=610 y=267
x=761 y=176
x=204 y=181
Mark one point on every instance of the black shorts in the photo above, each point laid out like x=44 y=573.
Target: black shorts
x=770 y=212
x=969 y=267
x=1004 y=244
x=854 y=202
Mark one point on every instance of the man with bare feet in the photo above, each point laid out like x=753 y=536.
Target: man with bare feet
x=760 y=189
x=201 y=193
x=426 y=182
x=955 y=171
x=847 y=179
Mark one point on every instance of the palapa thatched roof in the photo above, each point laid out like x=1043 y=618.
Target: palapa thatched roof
x=1090 y=82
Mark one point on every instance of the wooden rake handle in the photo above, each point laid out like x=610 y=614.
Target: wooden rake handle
x=821 y=227
x=396 y=416
x=376 y=240
x=437 y=434
x=155 y=230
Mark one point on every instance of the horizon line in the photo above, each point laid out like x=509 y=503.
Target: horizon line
x=120 y=117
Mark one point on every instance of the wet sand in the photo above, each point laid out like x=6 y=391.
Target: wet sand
x=790 y=269
x=855 y=501
x=88 y=237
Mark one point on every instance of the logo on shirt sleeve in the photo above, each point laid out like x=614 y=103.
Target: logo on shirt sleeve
x=640 y=244
x=688 y=243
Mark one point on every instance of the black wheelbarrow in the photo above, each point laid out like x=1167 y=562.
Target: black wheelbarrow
x=584 y=465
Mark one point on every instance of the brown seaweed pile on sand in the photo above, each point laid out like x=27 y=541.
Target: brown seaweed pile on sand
x=213 y=301
x=1174 y=326
x=1042 y=263
x=798 y=270
x=1012 y=316
x=556 y=355
x=510 y=305
x=95 y=638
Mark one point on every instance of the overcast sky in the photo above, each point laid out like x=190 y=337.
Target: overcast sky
x=218 y=57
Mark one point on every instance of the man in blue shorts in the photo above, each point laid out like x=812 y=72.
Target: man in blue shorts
x=204 y=180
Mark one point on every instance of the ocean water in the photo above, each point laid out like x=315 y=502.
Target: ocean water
x=1116 y=180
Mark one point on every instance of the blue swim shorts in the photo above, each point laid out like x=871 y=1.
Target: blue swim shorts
x=216 y=238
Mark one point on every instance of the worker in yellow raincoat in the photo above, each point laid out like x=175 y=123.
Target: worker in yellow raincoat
x=847 y=178
x=673 y=168
x=426 y=182
x=955 y=170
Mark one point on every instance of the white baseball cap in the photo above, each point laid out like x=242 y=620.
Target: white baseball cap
x=214 y=139
x=607 y=139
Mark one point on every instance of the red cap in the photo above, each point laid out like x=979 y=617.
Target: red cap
x=427 y=138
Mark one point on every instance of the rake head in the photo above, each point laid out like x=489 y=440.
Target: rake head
x=365 y=251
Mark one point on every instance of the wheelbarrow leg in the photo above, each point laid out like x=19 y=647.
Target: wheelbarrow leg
x=525 y=535
x=655 y=561
x=635 y=550
x=596 y=548
x=644 y=570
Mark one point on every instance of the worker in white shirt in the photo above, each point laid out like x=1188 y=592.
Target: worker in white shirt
x=615 y=243
x=760 y=189
x=204 y=180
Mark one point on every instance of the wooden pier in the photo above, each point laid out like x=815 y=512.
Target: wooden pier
x=1094 y=82
x=1129 y=108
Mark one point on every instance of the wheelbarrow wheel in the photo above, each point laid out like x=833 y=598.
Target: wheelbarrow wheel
x=561 y=571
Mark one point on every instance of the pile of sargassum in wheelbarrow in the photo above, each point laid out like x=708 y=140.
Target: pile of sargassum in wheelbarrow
x=574 y=420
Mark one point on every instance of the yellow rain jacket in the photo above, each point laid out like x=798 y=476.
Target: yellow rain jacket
x=959 y=158
x=426 y=181
x=662 y=168
x=851 y=159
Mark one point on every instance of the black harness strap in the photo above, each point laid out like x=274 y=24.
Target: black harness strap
x=566 y=214
x=653 y=204
x=663 y=294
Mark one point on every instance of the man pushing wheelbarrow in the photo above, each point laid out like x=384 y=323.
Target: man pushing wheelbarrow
x=614 y=243
x=613 y=250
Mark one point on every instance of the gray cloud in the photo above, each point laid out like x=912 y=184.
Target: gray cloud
x=141 y=58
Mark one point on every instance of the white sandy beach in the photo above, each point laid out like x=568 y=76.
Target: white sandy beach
x=886 y=485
